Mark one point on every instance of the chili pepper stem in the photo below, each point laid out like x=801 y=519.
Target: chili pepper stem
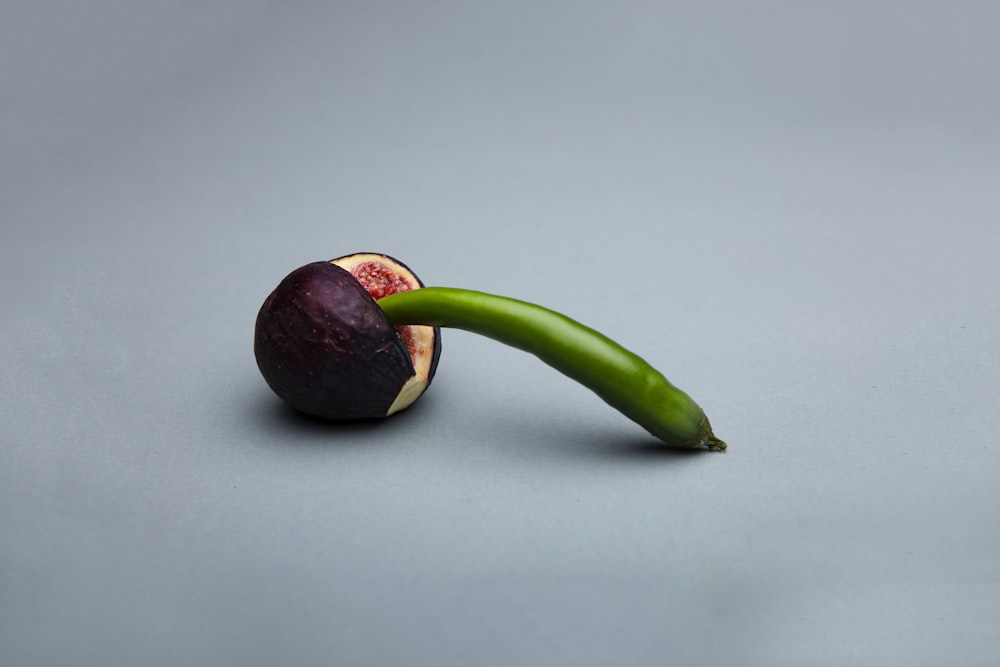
x=713 y=443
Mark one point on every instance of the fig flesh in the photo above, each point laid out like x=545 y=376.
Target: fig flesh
x=325 y=347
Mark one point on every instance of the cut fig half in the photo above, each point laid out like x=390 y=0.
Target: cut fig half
x=326 y=348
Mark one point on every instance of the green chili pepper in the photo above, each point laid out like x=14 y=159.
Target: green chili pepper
x=624 y=380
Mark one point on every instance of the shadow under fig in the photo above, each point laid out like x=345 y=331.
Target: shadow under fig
x=275 y=417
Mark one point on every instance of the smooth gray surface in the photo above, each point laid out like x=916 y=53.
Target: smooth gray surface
x=792 y=208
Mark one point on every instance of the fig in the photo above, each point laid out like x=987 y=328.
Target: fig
x=327 y=349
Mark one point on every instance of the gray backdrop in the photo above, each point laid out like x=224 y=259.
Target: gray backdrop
x=791 y=208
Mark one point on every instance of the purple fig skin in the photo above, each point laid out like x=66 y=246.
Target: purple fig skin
x=326 y=348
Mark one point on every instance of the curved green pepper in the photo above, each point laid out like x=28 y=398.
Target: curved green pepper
x=623 y=379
